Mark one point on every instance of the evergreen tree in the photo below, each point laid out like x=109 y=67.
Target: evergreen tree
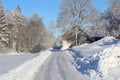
x=22 y=34
x=21 y=42
x=4 y=31
x=18 y=8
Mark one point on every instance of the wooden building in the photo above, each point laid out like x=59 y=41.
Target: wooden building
x=69 y=39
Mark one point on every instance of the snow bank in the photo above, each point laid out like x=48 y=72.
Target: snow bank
x=27 y=70
x=109 y=63
x=99 y=60
x=107 y=41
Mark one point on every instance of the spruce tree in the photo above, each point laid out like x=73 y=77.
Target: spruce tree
x=4 y=32
x=20 y=44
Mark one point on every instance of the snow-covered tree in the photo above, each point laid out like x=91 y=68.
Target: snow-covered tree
x=16 y=21
x=20 y=45
x=112 y=18
x=37 y=35
x=74 y=14
x=23 y=34
x=4 y=30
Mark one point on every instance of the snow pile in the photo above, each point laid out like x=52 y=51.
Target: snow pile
x=99 y=60
x=107 y=41
x=109 y=63
x=27 y=70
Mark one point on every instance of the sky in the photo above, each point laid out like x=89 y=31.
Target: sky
x=101 y=5
x=47 y=9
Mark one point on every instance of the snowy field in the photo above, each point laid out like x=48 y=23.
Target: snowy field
x=99 y=60
x=21 y=67
x=8 y=62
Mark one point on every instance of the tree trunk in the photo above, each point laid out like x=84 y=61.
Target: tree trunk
x=76 y=37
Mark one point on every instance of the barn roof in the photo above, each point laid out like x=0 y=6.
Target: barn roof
x=67 y=36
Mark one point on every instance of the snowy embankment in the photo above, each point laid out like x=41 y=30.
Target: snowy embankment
x=99 y=60
x=27 y=70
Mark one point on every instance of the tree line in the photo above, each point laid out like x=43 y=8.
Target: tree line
x=22 y=34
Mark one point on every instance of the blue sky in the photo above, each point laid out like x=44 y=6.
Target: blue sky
x=100 y=5
x=48 y=9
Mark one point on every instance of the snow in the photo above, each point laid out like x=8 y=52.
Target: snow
x=99 y=60
x=59 y=67
x=8 y=62
x=109 y=63
x=23 y=71
x=96 y=61
x=64 y=48
x=107 y=41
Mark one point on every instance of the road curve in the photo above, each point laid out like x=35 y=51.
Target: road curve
x=59 y=67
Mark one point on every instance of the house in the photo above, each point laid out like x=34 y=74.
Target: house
x=69 y=39
x=66 y=39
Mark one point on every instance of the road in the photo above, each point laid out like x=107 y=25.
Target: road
x=59 y=67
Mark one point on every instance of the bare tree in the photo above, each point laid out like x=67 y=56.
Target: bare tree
x=97 y=24
x=37 y=35
x=74 y=14
x=112 y=18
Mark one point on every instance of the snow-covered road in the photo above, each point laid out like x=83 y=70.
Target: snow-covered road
x=59 y=67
